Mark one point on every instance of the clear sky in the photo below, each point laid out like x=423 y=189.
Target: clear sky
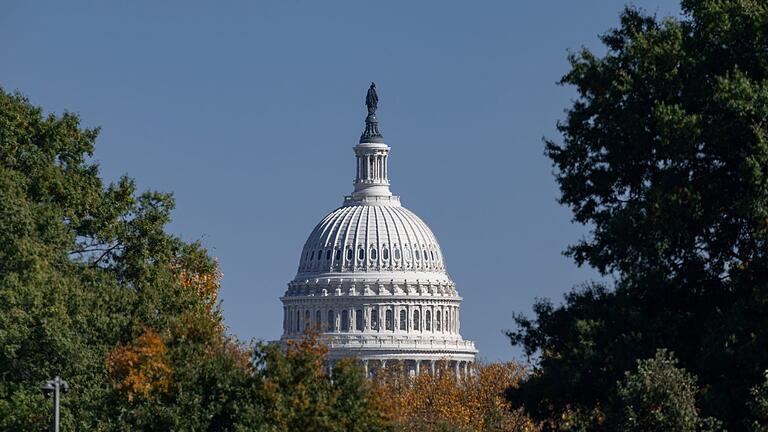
x=247 y=111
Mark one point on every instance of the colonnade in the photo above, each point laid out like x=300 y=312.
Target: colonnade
x=404 y=318
x=413 y=367
x=372 y=168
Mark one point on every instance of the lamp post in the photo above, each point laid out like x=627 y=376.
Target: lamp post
x=55 y=386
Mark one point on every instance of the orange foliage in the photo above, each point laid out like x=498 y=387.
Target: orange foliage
x=428 y=402
x=140 y=368
x=206 y=285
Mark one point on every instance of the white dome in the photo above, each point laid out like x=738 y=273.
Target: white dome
x=370 y=238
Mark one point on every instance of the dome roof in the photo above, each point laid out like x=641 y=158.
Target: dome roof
x=363 y=237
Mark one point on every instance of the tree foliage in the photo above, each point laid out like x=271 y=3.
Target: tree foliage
x=659 y=396
x=441 y=402
x=665 y=158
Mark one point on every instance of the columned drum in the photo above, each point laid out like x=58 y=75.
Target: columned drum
x=372 y=279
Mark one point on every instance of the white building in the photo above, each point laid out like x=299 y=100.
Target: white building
x=372 y=277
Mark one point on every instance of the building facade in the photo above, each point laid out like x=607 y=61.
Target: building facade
x=372 y=278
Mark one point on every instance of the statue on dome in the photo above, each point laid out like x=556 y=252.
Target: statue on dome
x=372 y=99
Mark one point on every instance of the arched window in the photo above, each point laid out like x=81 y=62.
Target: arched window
x=319 y=255
x=437 y=321
x=407 y=253
x=374 y=319
x=416 y=254
x=328 y=255
x=397 y=254
x=385 y=254
x=403 y=320
x=318 y=319
x=374 y=254
x=312 y=256
x=338 y=254
x=345 y=320
x=359 y=320
x=390 y=324
x=428 y=321
x=445 y=321
x=350 y=255
x=306 y=319
x=416 y=317
x=433 y=254
x=426 y=257
x=331 y=321
x=361 y=254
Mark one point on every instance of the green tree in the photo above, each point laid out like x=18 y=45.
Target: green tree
x=659 y=396
x=759 y=407
x=300 y=395
x=85 y=269
x=665 y=158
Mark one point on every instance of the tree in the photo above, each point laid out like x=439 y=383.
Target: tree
x=759 y=407
x=665 y=158
x=299 y=394
x=659 y=396
x=443 y=402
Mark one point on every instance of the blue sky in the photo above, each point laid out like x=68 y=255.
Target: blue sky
x=247 y=111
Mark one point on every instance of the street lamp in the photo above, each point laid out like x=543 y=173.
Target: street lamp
x=55 y=386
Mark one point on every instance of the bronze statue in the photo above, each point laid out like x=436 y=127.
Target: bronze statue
x=372 y=99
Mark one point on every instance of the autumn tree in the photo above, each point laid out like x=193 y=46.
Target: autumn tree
x=444 y=402
x=664 y=158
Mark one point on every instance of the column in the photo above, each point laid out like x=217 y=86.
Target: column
x=466 y=369
x=365 y=366
x=456 y=368
x=418 y=363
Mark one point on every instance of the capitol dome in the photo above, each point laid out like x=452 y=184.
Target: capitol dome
x=372 y=277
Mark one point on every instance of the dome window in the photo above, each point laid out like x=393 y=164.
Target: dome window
x=416 y=254
x=433 y=254
x=345 y=320
x=338 y=254
x=359 y=320
x=350 y=255
x=385 y=254
x=331 y=321
x=426 y=257
x=319 y=255
x=374 y=319
x=361 y=254
x=328 y=255
x=374 y=254
x=397 y=254
x=407 y=253
x=311 y=257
